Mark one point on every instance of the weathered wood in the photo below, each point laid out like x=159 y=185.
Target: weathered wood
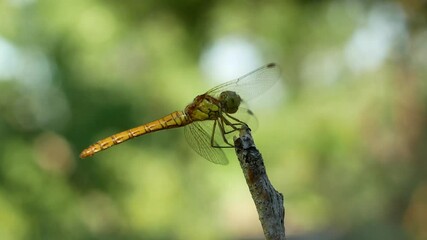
x=268 y=201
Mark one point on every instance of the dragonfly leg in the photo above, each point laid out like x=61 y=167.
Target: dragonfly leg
x=239 y=123
x=213 y=135
x=235 y=126
x=220 y=125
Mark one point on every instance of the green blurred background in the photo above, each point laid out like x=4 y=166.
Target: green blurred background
x=344 y=134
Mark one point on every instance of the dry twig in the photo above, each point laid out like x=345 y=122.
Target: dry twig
x=268 y=201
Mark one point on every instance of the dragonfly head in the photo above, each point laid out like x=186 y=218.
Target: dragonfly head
x=230 y=101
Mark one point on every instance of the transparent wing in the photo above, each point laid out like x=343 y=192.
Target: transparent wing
x=252 y=84
x=198 y=135
x=245 y=115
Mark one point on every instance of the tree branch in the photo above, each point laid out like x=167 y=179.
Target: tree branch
x=268 y=201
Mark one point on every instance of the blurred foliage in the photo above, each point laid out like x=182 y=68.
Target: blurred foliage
x=346 y=144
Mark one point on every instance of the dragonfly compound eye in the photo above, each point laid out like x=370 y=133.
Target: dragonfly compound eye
x=230 y=101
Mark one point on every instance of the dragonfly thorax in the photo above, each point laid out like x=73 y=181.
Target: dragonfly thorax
x=230 y=101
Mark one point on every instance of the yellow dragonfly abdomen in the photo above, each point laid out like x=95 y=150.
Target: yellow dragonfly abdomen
x=173 y=120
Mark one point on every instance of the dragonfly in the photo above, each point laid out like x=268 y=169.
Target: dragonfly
x=211 y=120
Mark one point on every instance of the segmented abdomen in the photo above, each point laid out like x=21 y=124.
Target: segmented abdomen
x=173 y=120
